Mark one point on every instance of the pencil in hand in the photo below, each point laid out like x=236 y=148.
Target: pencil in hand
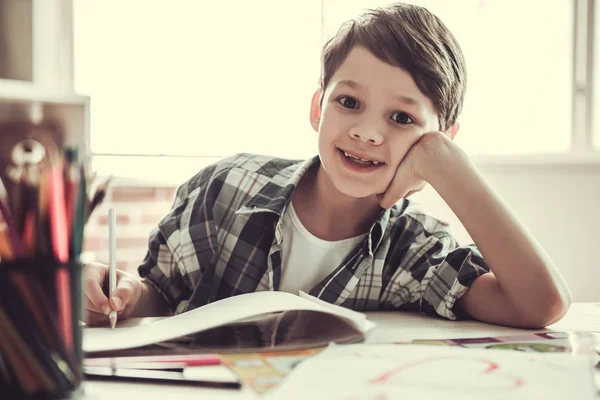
x=112 y=264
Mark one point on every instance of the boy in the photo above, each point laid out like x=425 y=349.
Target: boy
x=339 y=226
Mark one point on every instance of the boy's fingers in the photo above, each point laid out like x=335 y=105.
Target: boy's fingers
x=394 y=192
x=93 y=291
x=389 y=198
x=416 y=190
x=403 y=184
x=398 y=187
x=122 y=294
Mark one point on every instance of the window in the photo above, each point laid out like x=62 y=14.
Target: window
x=596 y=79
x=185 y=77
x=201 y=80
x=197 y=78
x=519 y=87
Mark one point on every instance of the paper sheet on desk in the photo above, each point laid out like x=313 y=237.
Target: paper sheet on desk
x=581 y=317
x=404 y=327
x=391 y=372
x=393 y=327
x=213 y=315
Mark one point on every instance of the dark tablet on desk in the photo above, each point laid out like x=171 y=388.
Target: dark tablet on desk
x=214 y=377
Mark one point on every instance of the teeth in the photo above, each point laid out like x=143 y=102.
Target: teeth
x=361 y=159
x=358 y=158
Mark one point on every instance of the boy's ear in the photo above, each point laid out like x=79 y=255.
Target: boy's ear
x=315 y=110
x=452 y=130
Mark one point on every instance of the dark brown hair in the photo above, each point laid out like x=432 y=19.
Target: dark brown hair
x=412 y=38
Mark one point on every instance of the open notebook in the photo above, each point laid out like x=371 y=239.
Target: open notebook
x=260 y=320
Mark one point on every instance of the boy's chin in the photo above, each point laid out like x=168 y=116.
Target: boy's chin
x=357 y=192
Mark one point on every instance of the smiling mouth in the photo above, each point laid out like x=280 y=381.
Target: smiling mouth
x=360 y=161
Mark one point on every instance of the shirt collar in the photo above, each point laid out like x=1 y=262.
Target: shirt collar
x=376 y=233
x=275 y=195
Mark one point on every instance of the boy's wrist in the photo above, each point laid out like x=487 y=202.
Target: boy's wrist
x=150 y=302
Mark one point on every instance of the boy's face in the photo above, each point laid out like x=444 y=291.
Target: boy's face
x=373 y=111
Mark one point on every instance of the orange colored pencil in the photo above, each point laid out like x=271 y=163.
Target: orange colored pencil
x=28 y=238
x=6 y=250
x=63 y=293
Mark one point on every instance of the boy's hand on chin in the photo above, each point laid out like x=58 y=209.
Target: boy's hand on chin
x=429 y=152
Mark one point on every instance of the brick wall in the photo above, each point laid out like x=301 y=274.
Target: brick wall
x=138 y=210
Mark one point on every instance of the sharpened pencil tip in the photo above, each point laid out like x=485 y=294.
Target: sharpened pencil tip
x=113 y=319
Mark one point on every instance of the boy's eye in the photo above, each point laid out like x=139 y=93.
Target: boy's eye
x=402 y=118
x=348 y=102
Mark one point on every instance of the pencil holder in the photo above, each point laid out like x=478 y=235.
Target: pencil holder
x=40 y=333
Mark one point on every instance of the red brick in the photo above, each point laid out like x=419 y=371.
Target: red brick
x=121 y=220
x=132 y=243
x=92 y=243
x=152 y=219
x=165 y=194
x=133 y=194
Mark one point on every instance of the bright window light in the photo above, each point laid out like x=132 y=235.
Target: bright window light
x=519 y=70
x=211 y=78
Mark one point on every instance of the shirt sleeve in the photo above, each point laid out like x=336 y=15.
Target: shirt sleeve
x=171 y=264
x=434 y=273
x=448 y=274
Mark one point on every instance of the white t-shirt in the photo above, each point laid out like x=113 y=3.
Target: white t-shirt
x=306 y=259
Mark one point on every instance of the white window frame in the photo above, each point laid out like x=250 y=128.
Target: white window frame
x=581 y=153
x=582 y=139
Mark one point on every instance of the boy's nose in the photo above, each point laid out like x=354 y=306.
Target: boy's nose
x=367 y=135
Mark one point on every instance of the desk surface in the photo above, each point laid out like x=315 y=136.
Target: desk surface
x=391 y=327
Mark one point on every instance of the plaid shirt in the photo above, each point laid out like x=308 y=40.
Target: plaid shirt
x=223 y=237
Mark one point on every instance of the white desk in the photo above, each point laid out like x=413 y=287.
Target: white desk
x=391 y=327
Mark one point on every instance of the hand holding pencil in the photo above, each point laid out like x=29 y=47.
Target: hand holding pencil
x=112 y=266
x=110 y=294
x=99 y=302
x=117 y=301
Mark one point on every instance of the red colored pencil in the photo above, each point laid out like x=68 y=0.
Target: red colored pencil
x=189 y=360
x=60 y=245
